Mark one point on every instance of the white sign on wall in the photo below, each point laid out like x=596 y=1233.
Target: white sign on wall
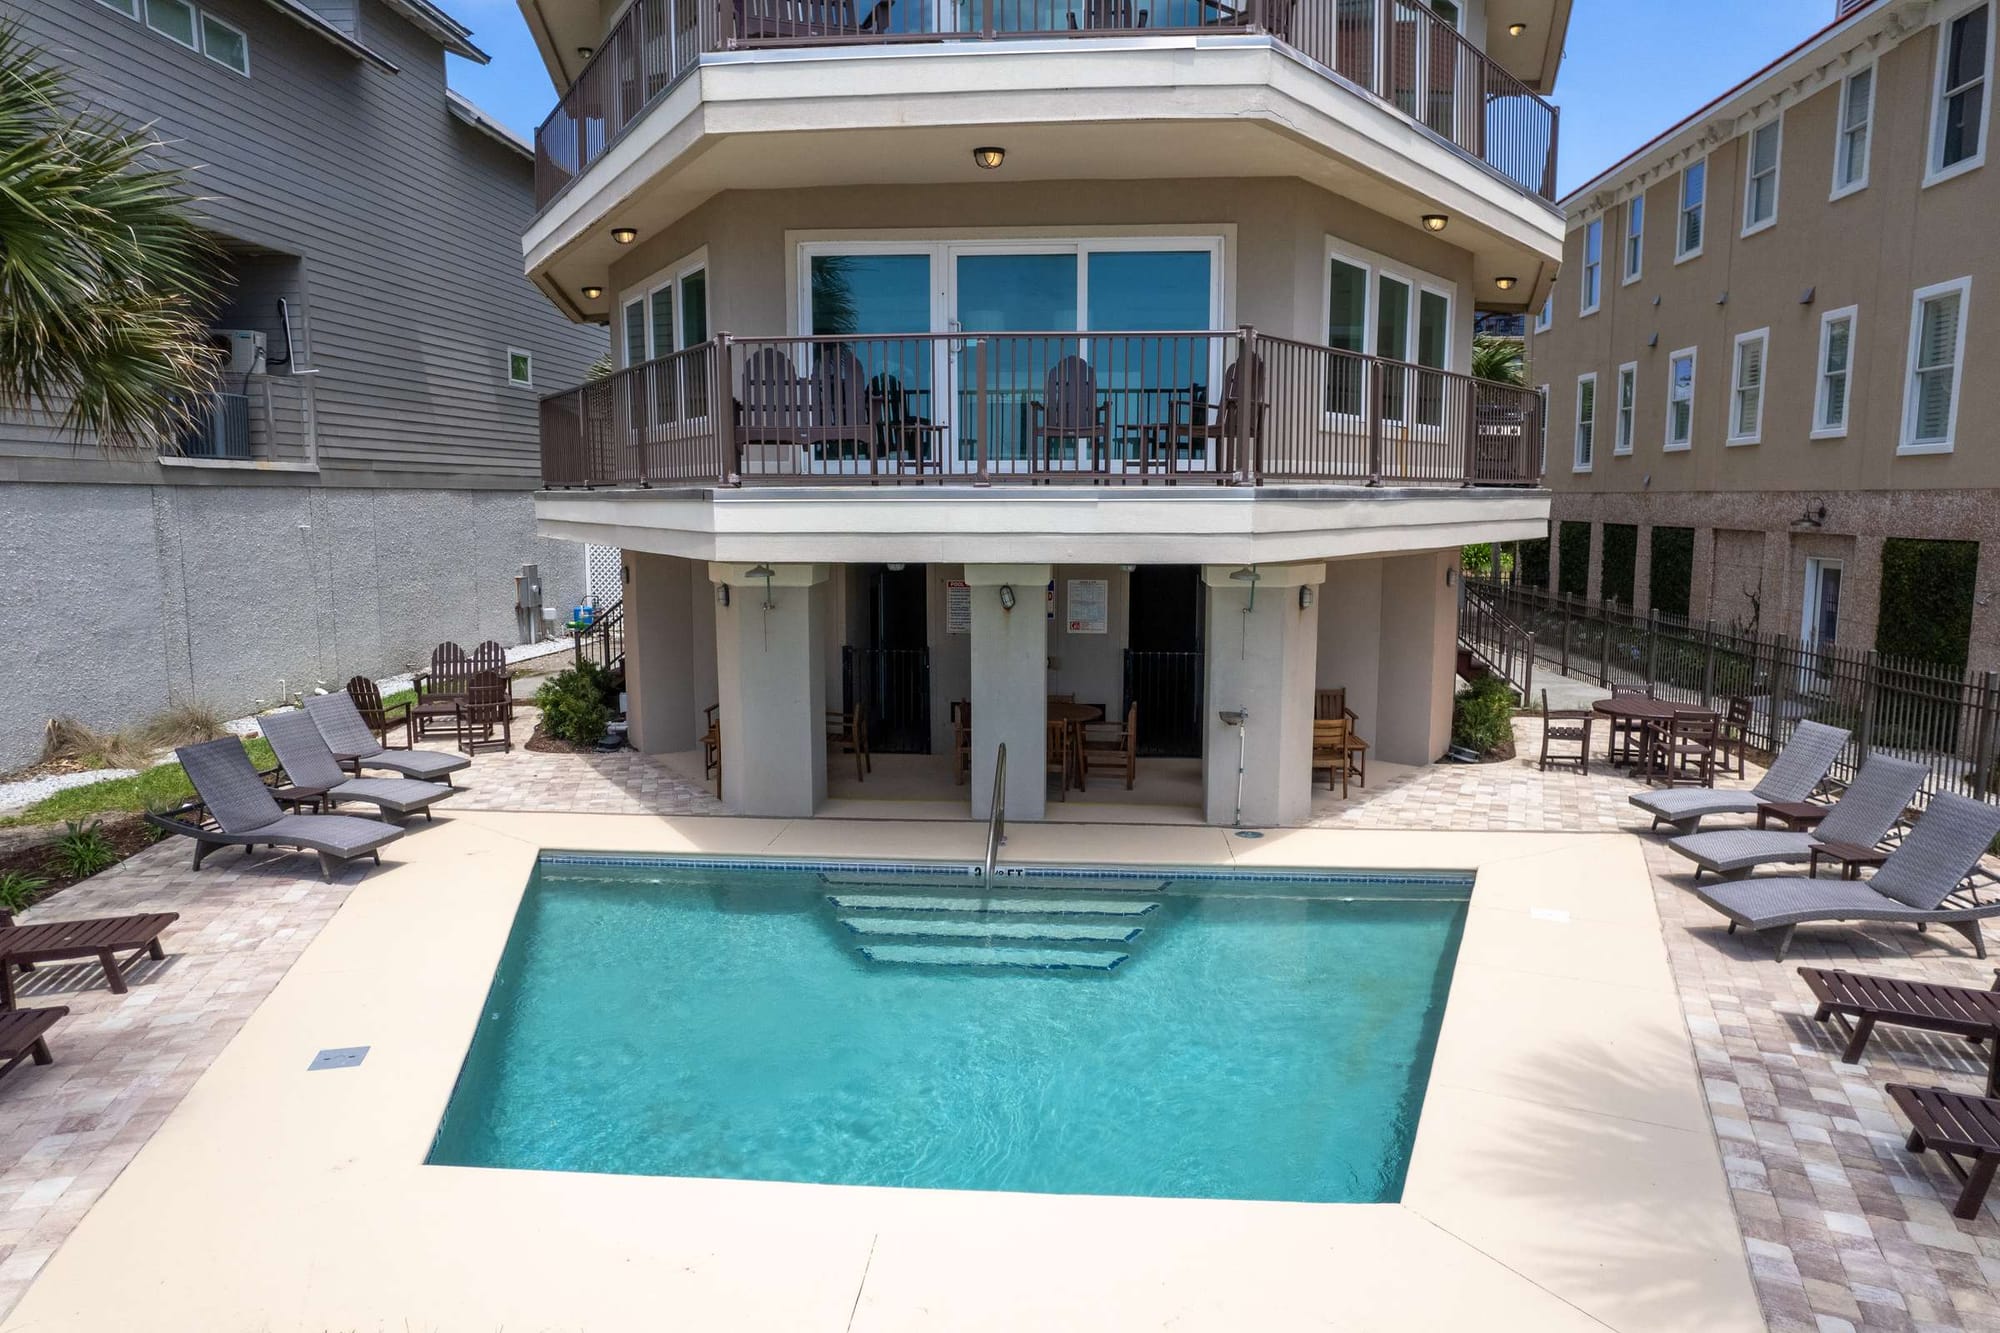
x=957 y=607
x=1089 y=606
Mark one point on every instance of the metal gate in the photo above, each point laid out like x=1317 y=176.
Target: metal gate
x=894 y=685
x=1167 y=686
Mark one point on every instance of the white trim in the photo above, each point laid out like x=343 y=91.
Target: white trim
x=1591 y=285
x=1633 y=271
x=527 y=383
x=194 y=24
x=1545 y=317
x=1933 y=140
x=1625 y=418
x=1578 y=462
x=202 y=21
x=129 y=8
x=1820 y=430
x=1752 y=226
x=1809 y=604
x=1681 y=208
x=1762 y=337
x=1841 y=129
x=671 y=276
x=1906 y=444
x=1542 y=443
x=1693 y=355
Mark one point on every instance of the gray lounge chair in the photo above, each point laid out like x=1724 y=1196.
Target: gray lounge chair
x=1798 y=769
x=1863 y=816
x=295 y=739
x=345 y=732
x=247 y=815
x=1923 y=881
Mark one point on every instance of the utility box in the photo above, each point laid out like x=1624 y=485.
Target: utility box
x=528 y=603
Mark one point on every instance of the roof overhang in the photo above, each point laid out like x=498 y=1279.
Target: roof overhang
x=454 y=36
x=563 y=30
x=319 y=25
x=1535 y=57
x=468 y=111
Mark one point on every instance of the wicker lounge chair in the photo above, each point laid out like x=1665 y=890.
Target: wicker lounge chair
x=1922 y=882
x=310 y=765
x=1956 y=1125
x=1858 y=1001
x=247 y=815
x=1796 y=772
x=102 y=938
x=24 y=1033
x=1863 y=816
x=341 y=727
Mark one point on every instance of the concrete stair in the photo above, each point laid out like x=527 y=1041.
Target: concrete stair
x=946 y=921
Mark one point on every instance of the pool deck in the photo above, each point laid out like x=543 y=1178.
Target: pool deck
x=1566 y=1174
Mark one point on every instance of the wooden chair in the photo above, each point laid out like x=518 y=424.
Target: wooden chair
x=1736 y=734
x=1056 y=760
x=1330 y=753
x=961 y=741
x=440 y=689
x=1109 y=745
x=1332 y=703
x=1221 y=423
x=1069 y=410
x=849 y=732
x=711 y=745
x=1062 y=698
x=1570 y=732
x=485 y=715
x=1686 y=749
x=368 y=698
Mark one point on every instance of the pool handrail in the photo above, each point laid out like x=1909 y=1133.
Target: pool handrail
x=996 y=819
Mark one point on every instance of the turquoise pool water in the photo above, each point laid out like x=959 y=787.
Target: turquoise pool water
x=1169 y=1036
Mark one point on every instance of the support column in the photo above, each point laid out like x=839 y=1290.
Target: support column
x=1419 y=657
x=659 y=666
x=1350 y=638
x=1642 y=569
x=1262 y=649
x=1010 y=692
x=769 y=650
x=1701 y=576
x=1593 y=579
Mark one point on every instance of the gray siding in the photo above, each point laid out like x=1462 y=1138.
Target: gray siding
x=405 y=222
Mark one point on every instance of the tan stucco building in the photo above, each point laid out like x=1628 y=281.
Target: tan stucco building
x=1766 y=351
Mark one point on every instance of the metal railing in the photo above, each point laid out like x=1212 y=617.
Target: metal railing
x=996 y=818
x=1233 y=407
x=1501 y=644
x=1946 y=718
x=1399 y=51
x=603 y=640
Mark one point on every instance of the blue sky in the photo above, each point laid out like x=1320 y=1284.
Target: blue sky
x=1632 y=68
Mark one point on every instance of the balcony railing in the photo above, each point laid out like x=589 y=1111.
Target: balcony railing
x=1398 y=50
x=1230 y=408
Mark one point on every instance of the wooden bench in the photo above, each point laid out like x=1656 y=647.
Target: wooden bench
x=101 y=938
x=1958 y=1011
x=23 y=1034
x=1955 y=1125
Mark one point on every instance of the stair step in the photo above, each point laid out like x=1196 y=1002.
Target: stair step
x=1057 y=932
x=861 y=879
x=1005 y=904
x=972 y=955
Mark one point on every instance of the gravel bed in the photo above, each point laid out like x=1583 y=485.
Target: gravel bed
x=16 y=795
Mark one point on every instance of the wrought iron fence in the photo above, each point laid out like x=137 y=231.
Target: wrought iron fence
x=1944 y=717
x=894 y=687
x=1167 y=687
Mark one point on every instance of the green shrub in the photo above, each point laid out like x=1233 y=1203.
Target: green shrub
x=83 y=850
x=1482 y=717
x=574 y=704
x=1927 y=595
x=19 y=889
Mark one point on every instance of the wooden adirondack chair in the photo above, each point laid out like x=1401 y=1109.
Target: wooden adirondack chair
x=368 y=698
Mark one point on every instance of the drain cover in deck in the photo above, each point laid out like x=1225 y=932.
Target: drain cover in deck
x=339 y=1057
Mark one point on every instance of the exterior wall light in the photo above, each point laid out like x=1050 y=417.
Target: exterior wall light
x=1006 y=597
x=624 y=235
x=1505 y=284
x=1436 y=222
x=1516 y=29
x=1305 y=597
x=722 y=594
x=989 y=158
x=592 y=293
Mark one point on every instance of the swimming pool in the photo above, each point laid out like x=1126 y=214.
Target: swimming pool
x=1154 y=1033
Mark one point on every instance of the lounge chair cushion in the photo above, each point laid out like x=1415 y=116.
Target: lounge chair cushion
x=1762 y=904
x=1873 y=802
x=228 y=784
x=347 y=735
x=1676 y=804
x=1941 y=850
x=1726 y=851
x=421 y=764
x=1803 y=764
x=396 y=795
x=344 y=836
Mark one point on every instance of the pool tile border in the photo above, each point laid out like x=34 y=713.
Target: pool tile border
x=668 y=861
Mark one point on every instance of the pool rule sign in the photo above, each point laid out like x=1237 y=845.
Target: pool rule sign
x=1089 y=606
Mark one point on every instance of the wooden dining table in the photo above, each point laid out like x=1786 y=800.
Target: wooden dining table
x=1631 y=715
x=1070 y=714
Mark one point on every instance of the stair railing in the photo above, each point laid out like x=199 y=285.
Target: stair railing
x=996 y=820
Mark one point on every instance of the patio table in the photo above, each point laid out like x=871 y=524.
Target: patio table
x=1633 y=715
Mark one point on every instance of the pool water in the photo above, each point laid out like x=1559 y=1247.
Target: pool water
x=1247 y=1038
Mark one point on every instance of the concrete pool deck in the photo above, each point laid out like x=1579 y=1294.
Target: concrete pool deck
x=1566 y=1171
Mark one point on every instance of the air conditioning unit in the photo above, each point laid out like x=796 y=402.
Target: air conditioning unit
x=242 y=350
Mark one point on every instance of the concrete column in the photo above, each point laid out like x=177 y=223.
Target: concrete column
x=1350 y=638
x=659 y=666
x=1861 y=592
x=1262 y=648
x=1642 y=570
x=1778 y=609
x=1419 y=658
x=769 y=655
x=1701 y=576
x=1010 y=694
x=1555 y=555
x=1593 y=584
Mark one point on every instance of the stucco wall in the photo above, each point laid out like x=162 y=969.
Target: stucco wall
x=121 y=600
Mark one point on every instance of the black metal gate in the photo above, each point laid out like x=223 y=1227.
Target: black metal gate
x=894 y=684
x=1167 y=686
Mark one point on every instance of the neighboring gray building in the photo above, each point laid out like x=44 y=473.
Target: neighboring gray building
x=366 y=493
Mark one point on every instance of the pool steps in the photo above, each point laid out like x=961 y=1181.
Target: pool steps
x=1005 y=904
x=1015 y=880
x=1051 y=932
x=1040 y=960
x=970 y=927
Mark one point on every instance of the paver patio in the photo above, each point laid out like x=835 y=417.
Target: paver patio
x=1844 y=1229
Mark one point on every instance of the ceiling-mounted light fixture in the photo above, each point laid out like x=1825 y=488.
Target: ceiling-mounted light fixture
x=1436 y=222
x=624 y=235
x=989 y=158
x=591 y=293
x=586 y=51
x=1516 y=29
x=1505 y=284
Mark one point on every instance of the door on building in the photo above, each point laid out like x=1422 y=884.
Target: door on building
x=1820 y=616
x=890 y=671
x=1163 y=658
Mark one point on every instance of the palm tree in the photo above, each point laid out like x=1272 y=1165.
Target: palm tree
x=1497 y=359
x=104 y=277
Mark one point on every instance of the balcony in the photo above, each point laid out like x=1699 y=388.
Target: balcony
x=1234 y=408
x=1397 y=51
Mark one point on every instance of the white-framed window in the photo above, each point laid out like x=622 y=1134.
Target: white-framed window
x=1591 y=290
x=1635 y=237
x=520 y=368
x=1689 y=235
x=1937 y=358
x=1628 y=407
x=1542 y=429
x=1762 y=150
x=129 y=8
x=1387 y=309
x=1746 y=387
x=173 y=19
x=1835 y=388
x=225 y=43
x=1545 y=318
x=1680 y=400
x=1958 y=111
x=1855 y=132
x=1586 y=421
x=667 y=312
